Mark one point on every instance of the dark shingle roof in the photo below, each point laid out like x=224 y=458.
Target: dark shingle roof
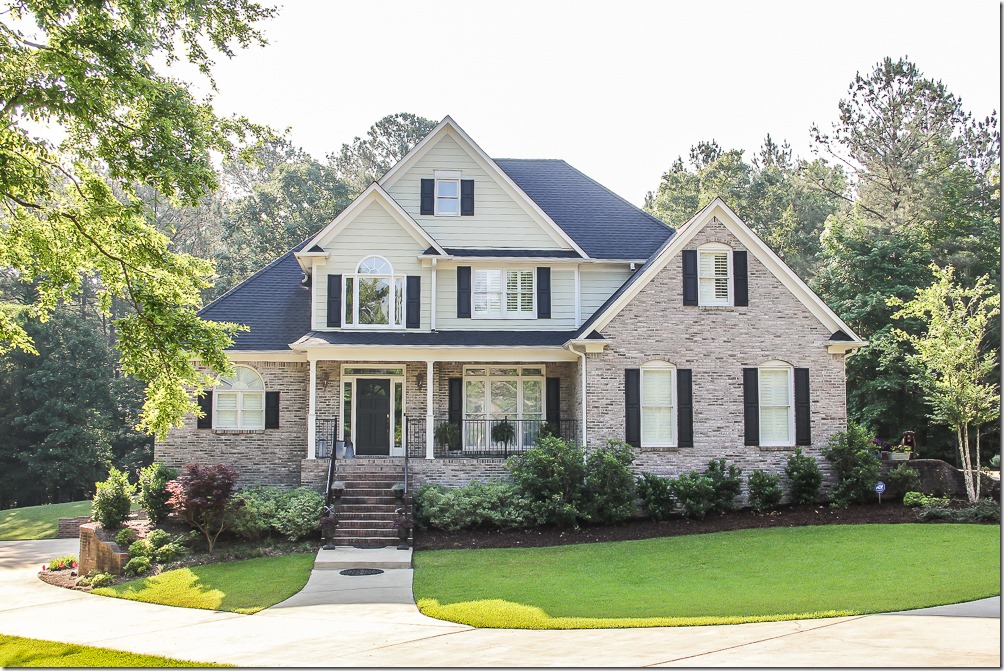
x=273 y=302
x=602 y=223
x=441 y=338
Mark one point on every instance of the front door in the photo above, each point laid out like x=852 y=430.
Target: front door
x=372 y=416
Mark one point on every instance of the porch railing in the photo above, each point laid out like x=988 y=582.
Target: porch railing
x=484 y=437
x=326 y=431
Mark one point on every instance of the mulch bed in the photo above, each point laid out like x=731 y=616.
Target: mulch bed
x=785 y=516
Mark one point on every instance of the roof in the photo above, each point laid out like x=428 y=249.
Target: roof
x=602 y=223
x=440 y=338
x=273 y=302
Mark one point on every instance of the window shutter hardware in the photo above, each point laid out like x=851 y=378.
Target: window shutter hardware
x=413 y=305
x=334 y=300
x=751 y=406
x=685 y=407
x=632 y=406
x=803 y=415
x=740 y=279
x=428 y=198
x=690 y=277
x=463 y=292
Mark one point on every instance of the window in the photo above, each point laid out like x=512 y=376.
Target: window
x=512 y=299
x=494 y=393
x=240 y=401
x=374 y=295
x=658 y=405
x=447 y=194
x=776 y=391
x=714 y=267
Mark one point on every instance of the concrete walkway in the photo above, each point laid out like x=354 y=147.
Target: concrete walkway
x=371 y=621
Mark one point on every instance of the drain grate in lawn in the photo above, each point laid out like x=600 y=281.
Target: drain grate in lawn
x=361 y=571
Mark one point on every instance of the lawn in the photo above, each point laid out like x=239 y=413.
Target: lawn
x=245 y=586
x=20 y=652
x=37 y=522
x=738 y=576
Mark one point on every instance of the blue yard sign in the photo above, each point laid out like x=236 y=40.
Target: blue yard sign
x=879 y=487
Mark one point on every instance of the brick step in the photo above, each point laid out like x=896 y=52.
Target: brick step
x=367 y=524
x=368 y=508
x=380 y=471
x=365 y=533
x=355 y=481
x=368 y=491
x=373 y=500
x=353 y=514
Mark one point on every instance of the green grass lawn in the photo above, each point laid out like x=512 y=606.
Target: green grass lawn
x=239 y=587
x=16 y=652
x=731 y=577
x=37 y=522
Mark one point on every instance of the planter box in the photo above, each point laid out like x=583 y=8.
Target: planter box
x=899 y=456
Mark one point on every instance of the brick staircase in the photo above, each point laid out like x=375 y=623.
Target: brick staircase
x=366 y=508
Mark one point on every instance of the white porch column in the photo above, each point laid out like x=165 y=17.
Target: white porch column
x=312 y=412
x=429 y=452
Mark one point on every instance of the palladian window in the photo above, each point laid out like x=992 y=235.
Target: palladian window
x=374 y=295
x=240 y=401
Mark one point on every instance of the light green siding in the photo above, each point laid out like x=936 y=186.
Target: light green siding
x=598 y=282
x=562 y=304
x=498 y=221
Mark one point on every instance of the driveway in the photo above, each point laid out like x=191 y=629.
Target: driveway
x=325 y=625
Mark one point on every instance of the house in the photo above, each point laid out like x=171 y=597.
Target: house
x=460 y=292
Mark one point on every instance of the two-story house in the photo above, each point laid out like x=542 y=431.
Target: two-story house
x=460 y=292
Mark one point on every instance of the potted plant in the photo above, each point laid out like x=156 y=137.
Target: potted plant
x=328 y=523
x=504 y=432
x=448 y=436
x=900 y=452
x=404 y=524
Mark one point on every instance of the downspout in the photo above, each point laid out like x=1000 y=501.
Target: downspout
x=582 y=392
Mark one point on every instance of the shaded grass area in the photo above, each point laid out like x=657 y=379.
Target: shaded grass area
x=720 y=578
x=16 y=652
x=245 y=586
x=38 y=522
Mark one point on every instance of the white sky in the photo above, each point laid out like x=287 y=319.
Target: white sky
x=617 y=89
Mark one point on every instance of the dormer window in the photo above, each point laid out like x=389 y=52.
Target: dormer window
x=374 y=295
x=714 y=267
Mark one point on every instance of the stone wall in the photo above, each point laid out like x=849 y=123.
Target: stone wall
x=455 y=472
x=99 y=556
x=69 y=527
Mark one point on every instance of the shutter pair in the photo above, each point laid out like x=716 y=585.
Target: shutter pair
x=428 y=197
x=412 y=307
x=464 y=292
x=684 y=407
x=271 y=410
x=751 y=407
x=740 y=278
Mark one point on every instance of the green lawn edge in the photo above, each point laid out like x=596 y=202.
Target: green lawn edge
x=20 y=652
x=38 y=522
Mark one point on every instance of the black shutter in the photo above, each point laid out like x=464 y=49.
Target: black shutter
x=632 y=407
x=467 y=197
x=740 y=279
x=463 y=292
x=685 y=407
x=455 y=402
x=334 y=300
x=690 y=277
x=428 y=205
x=206 y=406
x=543 y=293
x=553 y=400
x=751 y=406
x=803 y=423
x=271 y=410
x=413 y=307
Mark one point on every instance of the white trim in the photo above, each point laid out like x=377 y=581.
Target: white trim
x=402 y=379
x=578 y=298
x=241 y=355
x=398 y=353
x=392 y=279
x=432 y=305
x=312 y=413
x=716 y=248
x=449 y=127
x=775 y=365
x=503 y=312
x=435 y=193
x=239 y=403
x=460 y=259
x=844 y=346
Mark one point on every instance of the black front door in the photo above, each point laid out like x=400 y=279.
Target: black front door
x=372 y=417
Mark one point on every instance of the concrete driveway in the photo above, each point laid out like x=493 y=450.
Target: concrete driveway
x=325 y=625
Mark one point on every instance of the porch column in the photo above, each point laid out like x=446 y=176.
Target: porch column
x=312 y=412
x=429 y=453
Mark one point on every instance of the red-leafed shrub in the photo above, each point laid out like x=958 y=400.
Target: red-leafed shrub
x=203 y=497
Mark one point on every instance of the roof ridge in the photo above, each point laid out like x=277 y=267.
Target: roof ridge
x=557 y=160
x=240 y=284
x=621 y=198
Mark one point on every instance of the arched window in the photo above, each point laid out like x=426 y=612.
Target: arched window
x=714 y=272
x=239 y=401
x=658 y=404
x=374 y=295
x=777 y=408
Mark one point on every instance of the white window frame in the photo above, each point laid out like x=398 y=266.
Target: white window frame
x=504 y=312
x=470 y=373
x=446 y=176
x=660 y=366
x=715 y=248
x=775 y=366
x=241 y=425
x=352 y=321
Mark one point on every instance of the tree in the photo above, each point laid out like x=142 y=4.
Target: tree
x=89 y=71
x=203 y=498
x=953 y=361
x=362 y=162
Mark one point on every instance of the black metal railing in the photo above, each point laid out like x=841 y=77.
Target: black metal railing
x=483 y=438
x=326 y=432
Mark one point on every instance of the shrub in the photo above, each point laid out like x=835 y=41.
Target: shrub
x=856 y=466
x=917 y=499
x=297 y=513
x=550 y=476
x=493 y=504
x=765 y=492
x=504 y=433
x=125 y=537
x=255 y=511
x=141 y=548
x=608 y=492
x=168 y=552
x=695 y=492
x=983 y=510
x=97 y=580
x=112 y=500
x=656 y=498
x=726 y=482
x=448 y=435
x=202 y=498
x=61 y=563
x=158 y=538
x=153 y=494
x=995 y=462
x=804 y=478
x=136 y=566
x=902 y=479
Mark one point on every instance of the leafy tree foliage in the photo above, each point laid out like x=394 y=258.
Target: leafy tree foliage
x=362 y=162
x=203 y=498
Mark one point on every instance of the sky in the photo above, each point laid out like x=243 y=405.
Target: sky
x=617 y=89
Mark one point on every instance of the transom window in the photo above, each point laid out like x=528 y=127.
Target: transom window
x=374 y=295
x=714 y=268
x=447 y=193
x=239 y=401
x=495 y=393
x=658 y=404
x=777 y=417
x=513 y=299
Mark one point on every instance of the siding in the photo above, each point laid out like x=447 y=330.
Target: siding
x=598 y=283
x=371 y=231
x=498 y=221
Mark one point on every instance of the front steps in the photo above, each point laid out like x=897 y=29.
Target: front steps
x=366 y=509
